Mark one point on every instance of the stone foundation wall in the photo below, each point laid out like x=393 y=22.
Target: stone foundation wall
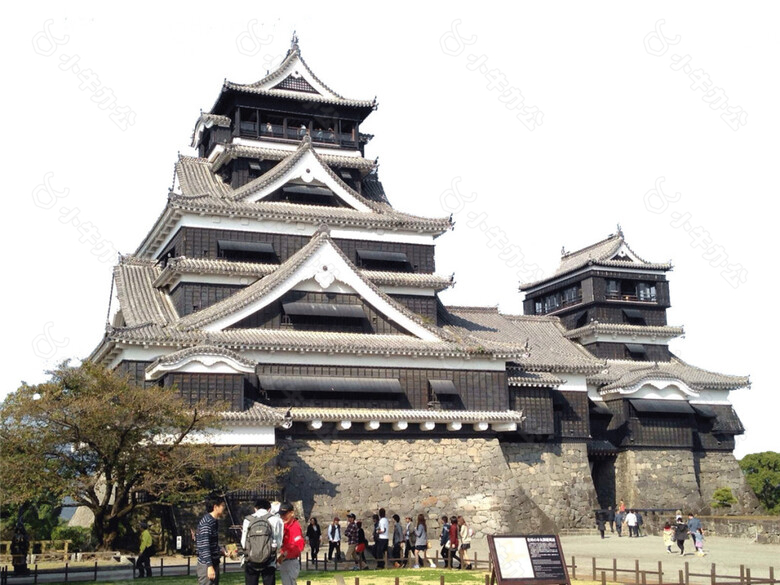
x=497 y=487
x=657 y=479
x=721 y=469
x=557 y=479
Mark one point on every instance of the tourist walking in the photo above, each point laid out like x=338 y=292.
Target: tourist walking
x=145 y=550
x=398 y=538
x=600 y=524
x=334 y=539
x=620 y=518
x=254 y=540
x=611 y=518
x=207 y=543
x=293 y=544
x=453 y=543
x=421 y=542
x=409 y=536
x=314 y=535
x=631 y=523
x=698 y=538
x=444 y=539
x=351 y=534
x=668 y=536
x=382 y=538
x=681 y=534
x=694 y=524
x=464 y=536
x=362 y=544
x=639 y=521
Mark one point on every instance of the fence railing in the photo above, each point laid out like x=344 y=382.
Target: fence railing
x=644 y=576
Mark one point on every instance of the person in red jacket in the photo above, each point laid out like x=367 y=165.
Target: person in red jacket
x=293 y=544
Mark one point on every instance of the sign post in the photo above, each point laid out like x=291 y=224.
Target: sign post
x=527 y=560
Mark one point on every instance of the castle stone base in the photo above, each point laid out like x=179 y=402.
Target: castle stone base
x=677 y=478
x=498 y=487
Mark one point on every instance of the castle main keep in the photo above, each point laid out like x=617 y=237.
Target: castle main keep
x=279 y=279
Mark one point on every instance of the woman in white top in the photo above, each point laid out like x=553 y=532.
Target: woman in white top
x=464 y=536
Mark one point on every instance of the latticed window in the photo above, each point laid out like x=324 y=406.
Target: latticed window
x=296 y=84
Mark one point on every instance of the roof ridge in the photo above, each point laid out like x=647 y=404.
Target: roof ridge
x=618 y=236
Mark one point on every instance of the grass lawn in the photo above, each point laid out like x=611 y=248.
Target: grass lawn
x=382 y=577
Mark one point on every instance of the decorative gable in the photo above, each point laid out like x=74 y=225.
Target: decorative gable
x=303 y=171
x=321 y=267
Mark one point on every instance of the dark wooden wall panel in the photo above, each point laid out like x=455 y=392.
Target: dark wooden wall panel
x=479 y=390
x=202 y=243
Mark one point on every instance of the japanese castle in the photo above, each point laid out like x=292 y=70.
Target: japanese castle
x=279 y=279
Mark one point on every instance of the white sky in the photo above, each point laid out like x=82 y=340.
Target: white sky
x=615 y=119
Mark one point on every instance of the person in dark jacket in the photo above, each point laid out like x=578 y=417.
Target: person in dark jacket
x=620 y=517
x=681 y=534
x=314 y=534
x=600 y=524
x=611 y=518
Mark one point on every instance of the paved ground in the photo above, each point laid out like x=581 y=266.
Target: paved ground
x=727 y=554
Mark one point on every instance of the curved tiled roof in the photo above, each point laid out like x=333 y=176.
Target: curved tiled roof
x=625 y=374
x=281 y=72
x=548 y=349
x=256 y=412
x=220 y=267
x=625 y=329
x=518 y=377
x=294 y=341
x=200 y=350
x=141 y=303
x=202 y=191
x=600 y=254
x=232 y=151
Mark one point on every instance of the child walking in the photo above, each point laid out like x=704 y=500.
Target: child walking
x=668 y=536
x=699 y=542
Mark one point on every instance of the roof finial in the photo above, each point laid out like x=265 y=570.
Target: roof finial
x=563 y=251
x=620 y=230
x=294 y=41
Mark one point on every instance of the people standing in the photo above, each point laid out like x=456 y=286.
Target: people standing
x=464 y=536
x=334 y=539
x=694 y=524
x=145 y=550
x=421 y=542
x=398 y=538
x=681 y=534
x=631 y=523
x=382 y=538
x=292 y=546
x=639 y=521
x=254 y=571
x=444 y=540
x=207 y=543
x=314 y=534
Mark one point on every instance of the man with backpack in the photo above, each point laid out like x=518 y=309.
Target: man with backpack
x=261 y=536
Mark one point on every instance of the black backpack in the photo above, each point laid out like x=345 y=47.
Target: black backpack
x=259 y=549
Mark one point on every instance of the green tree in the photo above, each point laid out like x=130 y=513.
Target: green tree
x=96 y=437
x=723 y=498
x=762 y=472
